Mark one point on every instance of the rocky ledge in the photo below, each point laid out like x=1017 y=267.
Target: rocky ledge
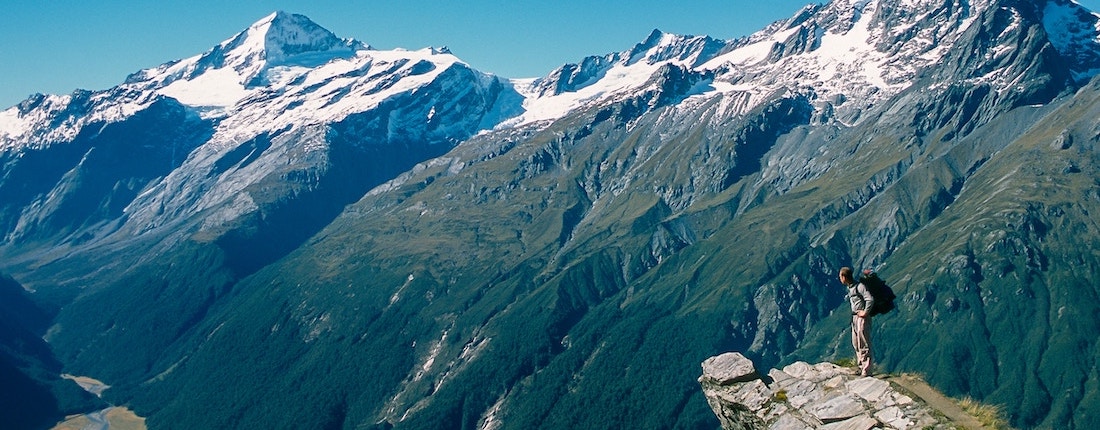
x=801 y=396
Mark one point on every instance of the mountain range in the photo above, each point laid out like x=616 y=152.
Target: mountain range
x=295 y=229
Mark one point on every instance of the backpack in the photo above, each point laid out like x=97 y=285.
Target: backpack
x=884 y=296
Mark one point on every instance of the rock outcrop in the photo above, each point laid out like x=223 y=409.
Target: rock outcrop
x=801 y=396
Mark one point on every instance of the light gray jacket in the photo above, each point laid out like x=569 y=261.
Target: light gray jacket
x=859 y=297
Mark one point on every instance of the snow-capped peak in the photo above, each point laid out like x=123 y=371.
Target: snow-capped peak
x=687 y=50
x=283 y=69
x=863 y=50
x=230 y=71
x=284 y=38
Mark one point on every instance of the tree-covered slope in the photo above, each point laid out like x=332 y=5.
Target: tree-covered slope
x=404 y=267
x=35 y=396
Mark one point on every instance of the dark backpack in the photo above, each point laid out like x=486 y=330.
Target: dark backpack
x=884 y=296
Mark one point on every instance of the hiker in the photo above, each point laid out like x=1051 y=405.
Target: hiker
x=861 y=301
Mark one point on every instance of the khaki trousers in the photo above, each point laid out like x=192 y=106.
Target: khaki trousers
x=861 y=341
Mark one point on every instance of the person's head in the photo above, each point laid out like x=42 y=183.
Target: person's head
x=846 y=276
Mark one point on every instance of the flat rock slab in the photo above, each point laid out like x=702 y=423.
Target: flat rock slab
x=837 y=407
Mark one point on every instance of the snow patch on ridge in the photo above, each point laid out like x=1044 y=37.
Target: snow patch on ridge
x=619 y=80
x=752 y=53
x=629 y=73
x=1075 y=33
x=217 y=88
x=42 y=119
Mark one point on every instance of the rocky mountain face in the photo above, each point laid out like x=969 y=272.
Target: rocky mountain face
x=293 y=227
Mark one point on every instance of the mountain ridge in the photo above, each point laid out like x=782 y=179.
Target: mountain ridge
x=507 y=253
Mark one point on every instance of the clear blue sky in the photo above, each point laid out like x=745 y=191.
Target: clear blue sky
x=56 y=46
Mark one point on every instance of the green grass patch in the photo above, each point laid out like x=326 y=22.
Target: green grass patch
x=991 y=416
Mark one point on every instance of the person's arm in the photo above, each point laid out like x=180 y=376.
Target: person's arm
x=868 y=300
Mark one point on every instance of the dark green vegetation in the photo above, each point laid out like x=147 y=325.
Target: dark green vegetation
x=34 y=395
x=575 y=276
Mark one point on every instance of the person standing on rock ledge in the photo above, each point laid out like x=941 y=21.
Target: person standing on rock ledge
x=861 y=301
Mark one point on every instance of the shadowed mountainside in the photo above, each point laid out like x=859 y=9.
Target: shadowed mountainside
x=408 y=266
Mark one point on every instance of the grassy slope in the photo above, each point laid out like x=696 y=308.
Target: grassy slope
x=534 y=283
x=998 y=291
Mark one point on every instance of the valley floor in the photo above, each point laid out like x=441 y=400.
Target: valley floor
x=113 y=418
